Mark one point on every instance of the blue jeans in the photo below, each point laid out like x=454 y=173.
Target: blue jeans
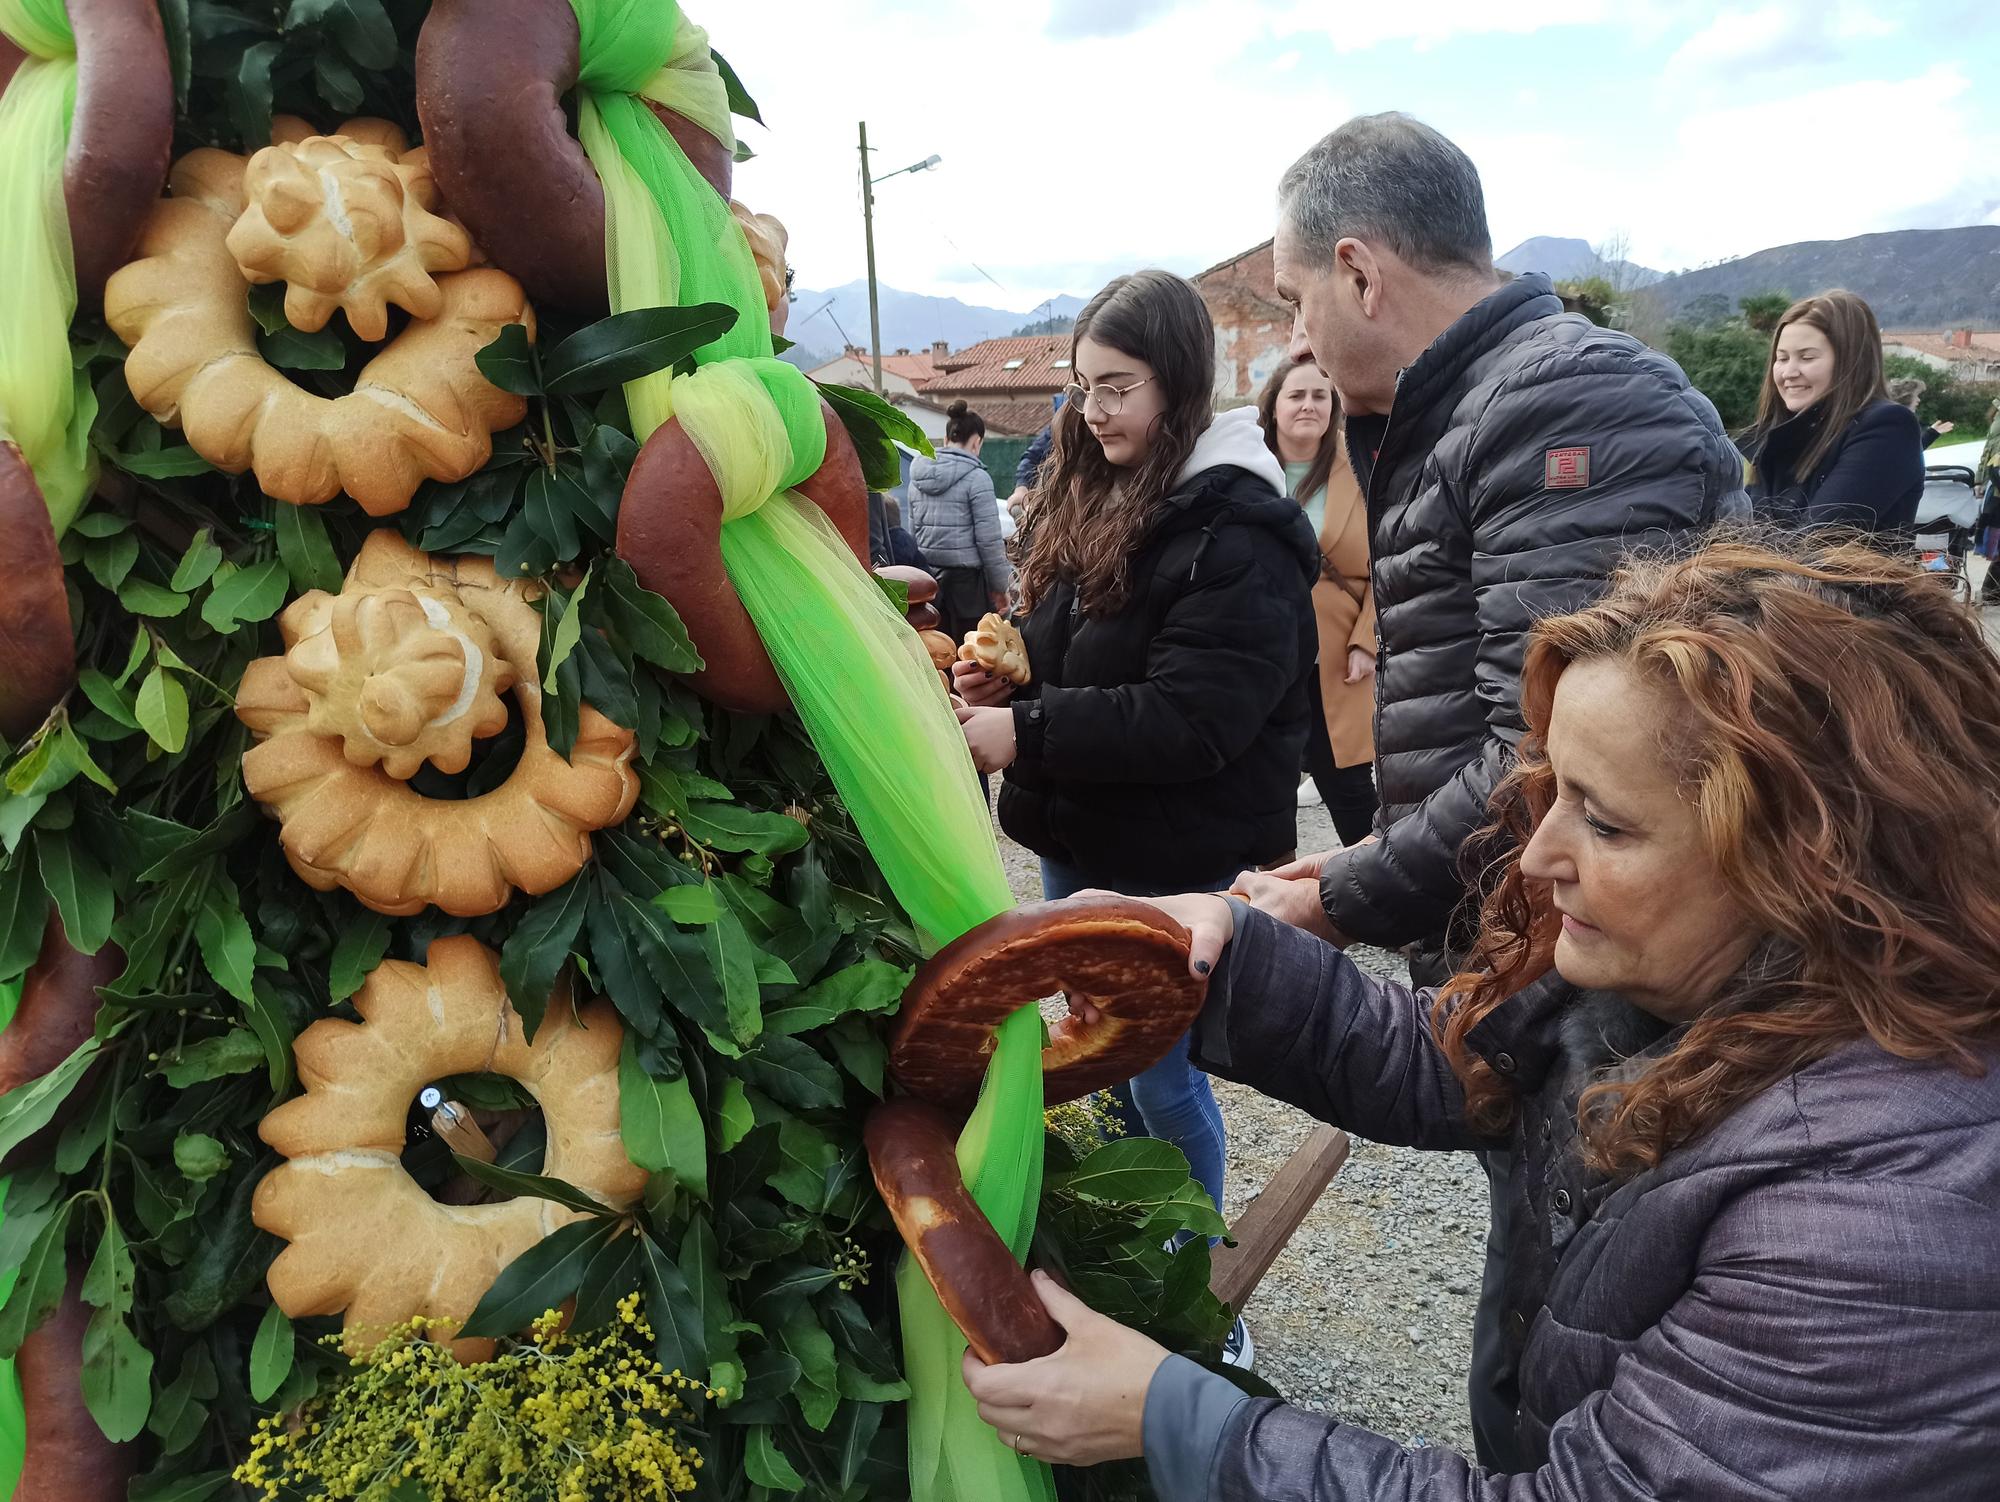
x=1173 y=1100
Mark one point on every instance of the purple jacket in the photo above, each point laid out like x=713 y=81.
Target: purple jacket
x=1804 y=1303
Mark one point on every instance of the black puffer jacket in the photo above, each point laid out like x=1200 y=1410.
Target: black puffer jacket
x=1161 y=746
x=1871 y=477
x=1527 y=449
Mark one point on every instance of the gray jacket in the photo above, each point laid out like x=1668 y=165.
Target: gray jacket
x=1803 y=1303
x=1526 y=451
x=955 y=517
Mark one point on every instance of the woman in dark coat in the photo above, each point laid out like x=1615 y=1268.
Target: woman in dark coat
x=1829 y=446
x=1733 y=1009
x=1170 y=633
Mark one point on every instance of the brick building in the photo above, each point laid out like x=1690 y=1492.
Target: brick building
x=1252 y=327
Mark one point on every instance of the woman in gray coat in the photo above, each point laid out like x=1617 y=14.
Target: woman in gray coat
x=957 y=524
x=1733 y=1007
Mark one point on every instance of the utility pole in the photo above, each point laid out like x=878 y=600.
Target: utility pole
x=868 y=181
x=868 y=228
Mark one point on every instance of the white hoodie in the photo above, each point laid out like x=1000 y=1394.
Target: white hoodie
x=1234 y=437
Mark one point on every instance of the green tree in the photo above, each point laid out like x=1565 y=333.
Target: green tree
x=1762 y=310
x=1725 y=362
x=1595 y=298
x=1946 y=398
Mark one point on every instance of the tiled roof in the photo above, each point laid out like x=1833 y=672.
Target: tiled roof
x=1015 y=419
x=1985 y=344
x=914 y=368
x=984 y=366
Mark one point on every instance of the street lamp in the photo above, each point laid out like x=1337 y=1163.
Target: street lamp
x=868 y=181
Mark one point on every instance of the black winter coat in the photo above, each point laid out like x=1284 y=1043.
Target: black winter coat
x=1161 y=746
x=1527 y=449
x=1872 y=478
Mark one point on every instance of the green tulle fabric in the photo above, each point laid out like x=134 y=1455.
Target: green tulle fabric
x=861 y=681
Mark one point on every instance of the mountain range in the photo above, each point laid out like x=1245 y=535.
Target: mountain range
x=1910 y=277
x=822 y=322
x=1566 y=260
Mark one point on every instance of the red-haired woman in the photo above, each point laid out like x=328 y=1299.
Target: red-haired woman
x=1733 y=1007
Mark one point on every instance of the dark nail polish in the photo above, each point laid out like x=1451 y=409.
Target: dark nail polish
x=1202 y=967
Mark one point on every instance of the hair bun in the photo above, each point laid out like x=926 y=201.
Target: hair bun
x=957 y=409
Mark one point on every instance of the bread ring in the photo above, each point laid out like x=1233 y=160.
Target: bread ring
x=1125 y=957
x=914 y=1157
x=768 y=243
x=419 y=410
x=670 y=531
x=37 y=652
x=365 y=1238
x=57 y=1011
x=943 y=650
x=491 y=76
x=68 y=1458
x=346 y=822
x=121 y=131
x=997 y=646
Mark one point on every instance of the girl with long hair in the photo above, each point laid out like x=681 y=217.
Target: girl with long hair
x=1829 y=446
x=1733 y=1008
x=1300 y=415
x=1168 y=620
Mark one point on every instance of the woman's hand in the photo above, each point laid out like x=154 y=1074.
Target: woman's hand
x=1360 y=665
x=989 y=734
x=1085 y=1404
x=1206 y=917
x=978 y=687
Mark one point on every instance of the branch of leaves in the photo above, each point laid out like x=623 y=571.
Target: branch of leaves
x=1129 y=1230
x=343 y=47
x=877 y=428
x=593 y=639
x=568 y=498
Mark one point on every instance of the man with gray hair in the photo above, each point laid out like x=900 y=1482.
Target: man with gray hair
x=1509 y=453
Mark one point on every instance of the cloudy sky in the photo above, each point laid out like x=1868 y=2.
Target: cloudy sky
x=1082 y=138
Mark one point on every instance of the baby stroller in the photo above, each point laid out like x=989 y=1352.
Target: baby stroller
x=1947 y=517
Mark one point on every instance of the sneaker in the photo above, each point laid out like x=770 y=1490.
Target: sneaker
x=1309 y=794
x=1238 y=1349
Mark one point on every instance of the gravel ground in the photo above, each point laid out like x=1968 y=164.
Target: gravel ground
x=1368 y=1312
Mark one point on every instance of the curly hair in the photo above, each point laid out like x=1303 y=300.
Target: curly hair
x=1838 y=735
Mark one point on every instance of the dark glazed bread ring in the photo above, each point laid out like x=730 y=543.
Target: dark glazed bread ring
x=670 y=531
x=912 y=1152
x=68 y=1458
x=121 y=136
x=58 y=1010
x=37 y=656
x=1125 y=957
x=491 y=76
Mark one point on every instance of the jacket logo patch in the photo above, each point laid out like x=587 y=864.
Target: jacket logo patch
x=1566 y=469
